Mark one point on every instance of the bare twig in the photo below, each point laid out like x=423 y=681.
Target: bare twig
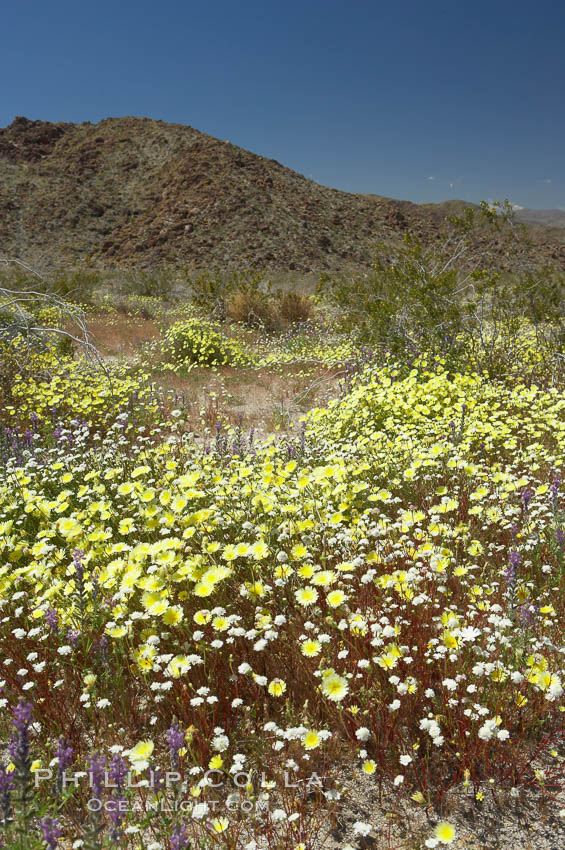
x=21 y=322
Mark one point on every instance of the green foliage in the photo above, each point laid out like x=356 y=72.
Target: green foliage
x=409 y=297
x=446 y=298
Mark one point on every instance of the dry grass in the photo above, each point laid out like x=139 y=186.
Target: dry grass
x=251 y=309
x=267 y=400
x=296 y=307
x=269 y=312
x=116 y=334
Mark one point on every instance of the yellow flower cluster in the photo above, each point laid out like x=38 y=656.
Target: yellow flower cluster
x=397 y=581
x=196 y=342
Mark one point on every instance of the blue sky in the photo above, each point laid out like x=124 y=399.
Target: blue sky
x=416 y=99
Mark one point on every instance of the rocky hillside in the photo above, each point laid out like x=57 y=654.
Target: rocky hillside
x=137 y=191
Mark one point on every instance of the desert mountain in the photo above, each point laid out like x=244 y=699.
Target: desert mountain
x=545 y=218
x=137 y=191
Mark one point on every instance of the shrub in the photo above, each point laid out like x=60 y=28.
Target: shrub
x=447 y=299
x=255 y=308
x=252 y=309
x=212 y=290
x=77 y=284
x=295 y=307
x=159 y=282
x=199 y=343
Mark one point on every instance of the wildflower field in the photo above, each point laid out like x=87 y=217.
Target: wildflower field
x=214 y=640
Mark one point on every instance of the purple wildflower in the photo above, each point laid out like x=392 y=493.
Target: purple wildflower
x=179 y=838
x=515 y=558
x=52 y=619
x=22 y=716
x=50 y=832
x=526 y=498
x=528 y=614
x=100 y=648
x=78 y=555
x=117 y=815
x=64 y=755
x=96 y=768
x=175 y=739
x=511 y=572
x=117 y=771
x=19 y=751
